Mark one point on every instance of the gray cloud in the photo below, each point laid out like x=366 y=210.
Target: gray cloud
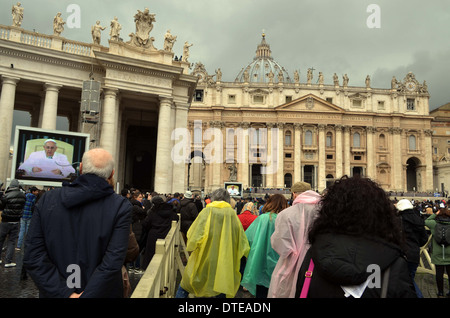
x=329 y=35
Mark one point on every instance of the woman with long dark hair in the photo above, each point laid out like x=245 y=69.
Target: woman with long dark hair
x=354 y=240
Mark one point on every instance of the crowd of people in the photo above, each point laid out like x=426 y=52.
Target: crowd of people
x=350 y=241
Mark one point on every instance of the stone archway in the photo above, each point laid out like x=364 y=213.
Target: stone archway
x=196 y=171
x=413 y=175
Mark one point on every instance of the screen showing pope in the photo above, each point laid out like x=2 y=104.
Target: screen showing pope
x=47 y=163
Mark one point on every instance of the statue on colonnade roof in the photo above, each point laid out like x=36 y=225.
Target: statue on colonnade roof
x=17 y=14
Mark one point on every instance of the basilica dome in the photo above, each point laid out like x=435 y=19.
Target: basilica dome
x=263 y=68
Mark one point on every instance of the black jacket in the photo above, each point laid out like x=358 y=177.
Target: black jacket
x=82 y=224
x=343 y=260
x=157 y=224
x=188 y=213
x=138 y=214
x=415 y=234
x=12 y=202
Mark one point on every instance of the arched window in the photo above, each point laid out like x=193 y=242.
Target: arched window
x=329 y=139
x=288 y=180
x=356 y=140
x=287 y=138
x=308 y=138
x=412 y=142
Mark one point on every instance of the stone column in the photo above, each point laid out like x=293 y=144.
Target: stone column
x=163 y=163
x=215 y=150
x=297 y=153
x=270 y=167
x=338 y=129
x=109 y=115
x=178 y=178
x=428 y=184
x=242 y=153
x=321 y=173
x=347 y=150
x=280 y=156
x=50 y=111
x=397 y=170
x=371 y=173
x=7 y=100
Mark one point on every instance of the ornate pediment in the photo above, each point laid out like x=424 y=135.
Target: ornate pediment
x=310 y=103
x=358 y=96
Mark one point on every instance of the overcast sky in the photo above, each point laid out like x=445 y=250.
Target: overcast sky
x=332 y=36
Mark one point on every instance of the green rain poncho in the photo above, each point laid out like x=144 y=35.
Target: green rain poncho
x=262 y=258
x=217 y=242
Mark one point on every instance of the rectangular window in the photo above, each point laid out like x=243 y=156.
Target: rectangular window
x=380 y=104
x=288 y=99
x=357 y=157
x=232 y=99
x=258 y=99
x=329 y=99
x=411 y=104
x=357 y=103
x=288 y=155
x=329 y=156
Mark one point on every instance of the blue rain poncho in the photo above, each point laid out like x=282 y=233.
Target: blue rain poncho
x=262 y=258
x=218 y=242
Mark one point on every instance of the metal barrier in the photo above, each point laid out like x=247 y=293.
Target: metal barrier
x=160 y=277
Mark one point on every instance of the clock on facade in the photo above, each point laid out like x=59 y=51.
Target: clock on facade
x=411 y=86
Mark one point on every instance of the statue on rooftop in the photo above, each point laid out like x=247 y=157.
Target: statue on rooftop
x=58 y=24
x=115 y=30
x=17 y=14
x=144 y=25
x=186 y=51
x=96 y=31
x=169 y=41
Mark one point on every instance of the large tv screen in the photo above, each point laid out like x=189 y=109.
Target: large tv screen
x=47 y=156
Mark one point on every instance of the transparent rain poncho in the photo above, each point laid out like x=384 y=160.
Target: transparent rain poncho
x=290 y=241
x=218 y=242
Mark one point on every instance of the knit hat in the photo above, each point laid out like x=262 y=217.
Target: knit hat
x=188 y=194
x=300 y=187
x=404 y=204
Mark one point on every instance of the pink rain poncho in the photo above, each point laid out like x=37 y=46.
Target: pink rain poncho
x=290 y=241
x=218 y=242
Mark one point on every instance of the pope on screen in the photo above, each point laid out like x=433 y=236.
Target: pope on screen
x=47 y=163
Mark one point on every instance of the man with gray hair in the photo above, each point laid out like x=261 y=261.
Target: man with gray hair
x=78 y=236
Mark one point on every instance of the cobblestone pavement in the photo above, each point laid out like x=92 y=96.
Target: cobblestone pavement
x=13 y=286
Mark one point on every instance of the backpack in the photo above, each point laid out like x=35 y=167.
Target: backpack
x=442 y=233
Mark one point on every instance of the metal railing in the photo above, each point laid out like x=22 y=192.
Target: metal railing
x=160 y=277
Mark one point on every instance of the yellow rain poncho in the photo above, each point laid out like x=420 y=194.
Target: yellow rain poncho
x=218 y=242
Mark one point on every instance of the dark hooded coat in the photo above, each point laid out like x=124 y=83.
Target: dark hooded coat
x=157 y=224
x=343 y=260
x=83 y=225
x=12 y=202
